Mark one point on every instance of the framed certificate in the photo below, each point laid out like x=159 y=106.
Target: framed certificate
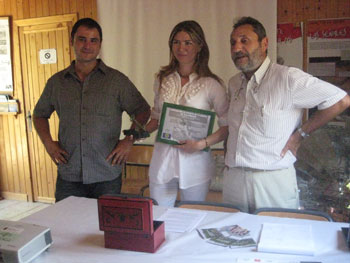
x=178 y=123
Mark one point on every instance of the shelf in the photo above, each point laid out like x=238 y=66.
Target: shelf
x=7 y=108
x=8 y=113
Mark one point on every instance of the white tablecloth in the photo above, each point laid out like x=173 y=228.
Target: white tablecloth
x=77 y=238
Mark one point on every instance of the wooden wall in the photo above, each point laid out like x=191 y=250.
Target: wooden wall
x=303 y=10
x=14 y=157
x=22 y=9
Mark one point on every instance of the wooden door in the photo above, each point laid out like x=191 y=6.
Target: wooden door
x=30 y=37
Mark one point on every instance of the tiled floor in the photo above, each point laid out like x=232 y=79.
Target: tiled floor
x=15 y=210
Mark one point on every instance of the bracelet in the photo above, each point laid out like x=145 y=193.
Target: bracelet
x=136 y=133
x=206 y=143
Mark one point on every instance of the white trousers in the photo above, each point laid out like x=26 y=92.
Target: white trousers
x=165 y=194
x=250 y=189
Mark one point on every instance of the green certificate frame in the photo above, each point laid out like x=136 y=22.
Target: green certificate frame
x=179 y=123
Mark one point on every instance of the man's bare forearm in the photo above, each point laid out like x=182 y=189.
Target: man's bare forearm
x=321 y=117
x=142 y=117
x=57 y=154
x=43 y=129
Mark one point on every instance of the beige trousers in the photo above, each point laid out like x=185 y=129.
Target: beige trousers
x=250 y=189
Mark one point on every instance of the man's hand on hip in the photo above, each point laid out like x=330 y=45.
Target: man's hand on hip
x=121 y=152
x=292 y=144
x=57 y=154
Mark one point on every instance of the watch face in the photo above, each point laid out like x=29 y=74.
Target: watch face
x=302 y=133
x=122 y=217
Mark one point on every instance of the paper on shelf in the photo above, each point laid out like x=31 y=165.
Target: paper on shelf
x=177 y=220
x=4 y=106
x=286 y=239
x=3 y=98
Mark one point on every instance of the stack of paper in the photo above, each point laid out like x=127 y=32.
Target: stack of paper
x=287 y=239
x=177 y=220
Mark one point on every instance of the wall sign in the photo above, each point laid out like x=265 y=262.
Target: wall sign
x=290 y=45
x=48 y=56
x=6 y=81
x=328 y=43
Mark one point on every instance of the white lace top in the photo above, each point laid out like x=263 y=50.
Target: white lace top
x=169 y=162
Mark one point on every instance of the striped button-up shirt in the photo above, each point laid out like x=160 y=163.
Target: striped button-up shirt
x=90 y=114
x=265 y=110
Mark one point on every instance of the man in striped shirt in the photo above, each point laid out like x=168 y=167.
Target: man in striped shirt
x=265 y=131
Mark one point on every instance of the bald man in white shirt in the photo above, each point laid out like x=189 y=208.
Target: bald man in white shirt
x=265 y=114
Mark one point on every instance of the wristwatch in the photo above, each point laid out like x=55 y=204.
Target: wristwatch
x=302 y=133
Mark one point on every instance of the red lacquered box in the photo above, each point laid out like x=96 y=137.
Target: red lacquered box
x=128 y=224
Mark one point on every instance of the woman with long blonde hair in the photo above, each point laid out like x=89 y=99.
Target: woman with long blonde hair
x=187 y=81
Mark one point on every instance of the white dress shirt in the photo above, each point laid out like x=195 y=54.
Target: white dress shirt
x=169 y=162
x=267 y=109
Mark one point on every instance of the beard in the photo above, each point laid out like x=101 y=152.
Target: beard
x=248 y=62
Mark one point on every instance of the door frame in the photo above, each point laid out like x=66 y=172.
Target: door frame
x=18 y=84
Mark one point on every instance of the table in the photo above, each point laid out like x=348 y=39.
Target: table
x=77 y=238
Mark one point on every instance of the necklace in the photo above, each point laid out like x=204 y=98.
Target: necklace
x=184 y=76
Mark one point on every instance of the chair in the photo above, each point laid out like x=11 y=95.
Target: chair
x=293 y=213
x=140 y=155
x=135 y=170
x=219 y=207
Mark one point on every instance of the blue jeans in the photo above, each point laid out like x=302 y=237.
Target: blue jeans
x=65 y=189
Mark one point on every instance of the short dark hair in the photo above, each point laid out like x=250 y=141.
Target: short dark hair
x=87 y=22
x=258 y=28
